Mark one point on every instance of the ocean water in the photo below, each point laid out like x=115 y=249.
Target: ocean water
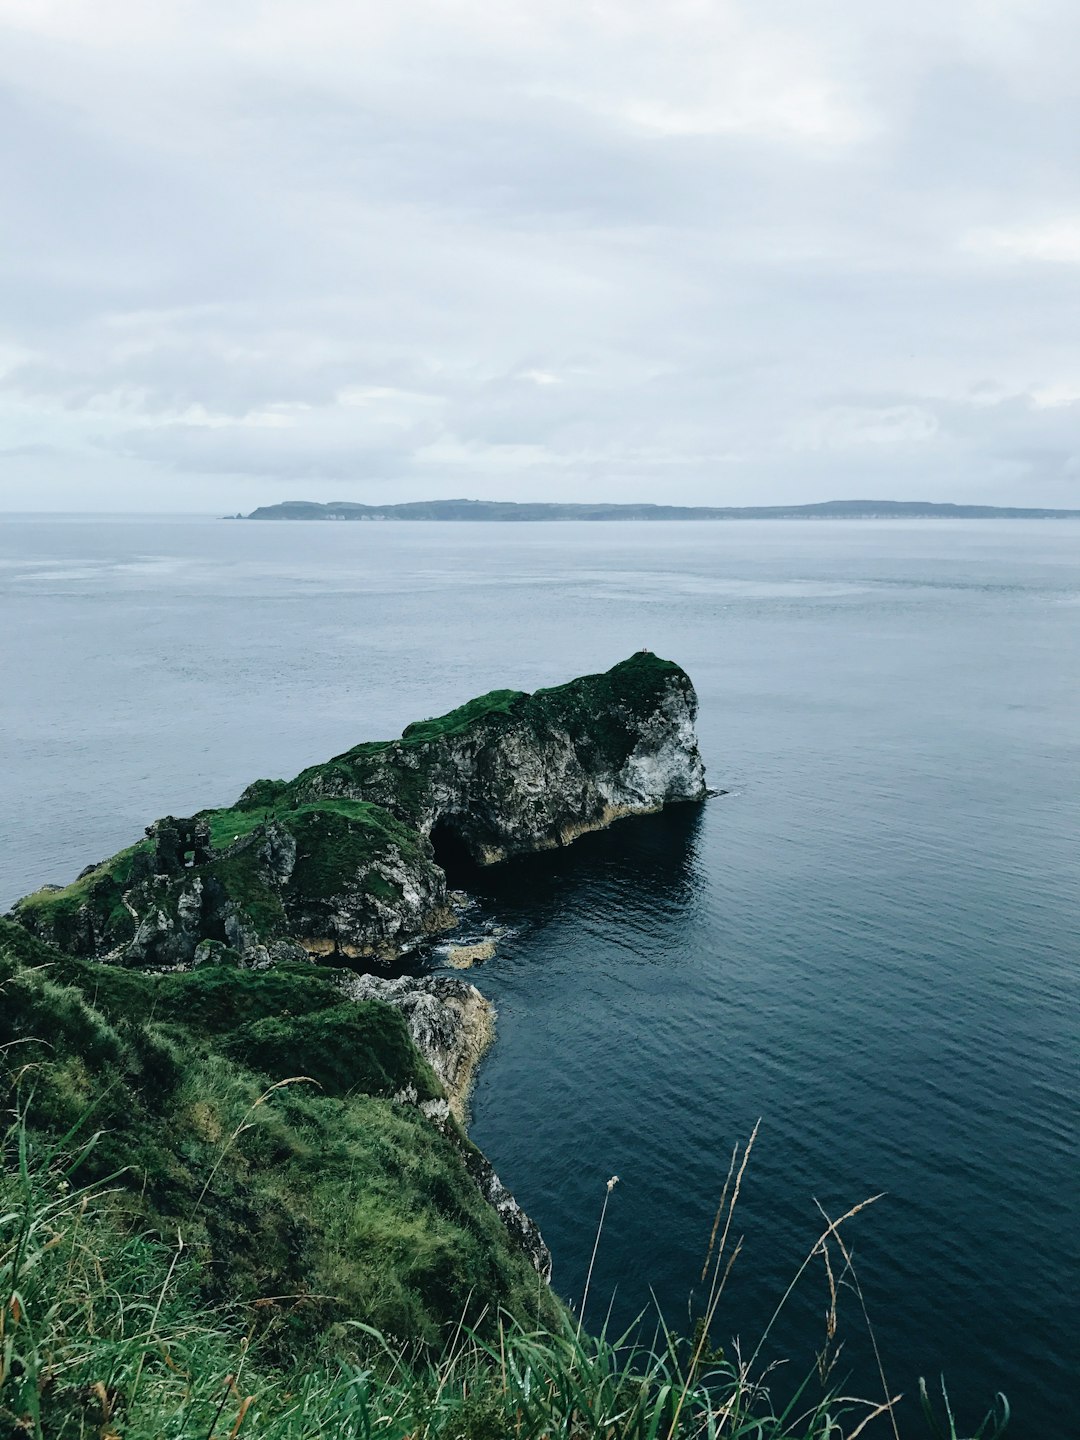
x=871 y=943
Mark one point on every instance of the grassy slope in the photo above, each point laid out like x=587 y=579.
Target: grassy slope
x=115 y=871
x=106 y=1332
x=327 y=1189
x=101 y=890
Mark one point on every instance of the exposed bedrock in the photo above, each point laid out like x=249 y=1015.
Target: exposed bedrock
x=343 y=863
x=450 y=1022
x=511 y=773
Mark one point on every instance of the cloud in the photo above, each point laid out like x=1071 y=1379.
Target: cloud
x=710 y=252
x=1055 y=242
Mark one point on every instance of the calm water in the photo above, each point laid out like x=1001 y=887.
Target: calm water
x=870 y=943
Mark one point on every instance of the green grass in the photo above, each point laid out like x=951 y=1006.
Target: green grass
x=90 y=912
x=106 y=1332
x=456 y=722
x=344 y=1048
x=396 y=773
x=262 y=795
x=115 y=871
x=214 y=1222
x=234 y=822
x=324 y=1187
x=337 y=840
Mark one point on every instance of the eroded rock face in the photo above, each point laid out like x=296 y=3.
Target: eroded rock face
x=450 y=1022
x=522 y=773
x=341 y=883
x=341 y=863
x=402 y=899
x=523 y=1229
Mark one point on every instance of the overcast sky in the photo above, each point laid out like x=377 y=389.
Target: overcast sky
x=392 y=249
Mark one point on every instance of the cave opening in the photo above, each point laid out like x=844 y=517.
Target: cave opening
x=452 y=852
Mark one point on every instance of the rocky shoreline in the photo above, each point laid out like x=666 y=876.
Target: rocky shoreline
x=349 y=861
x=451 y=1023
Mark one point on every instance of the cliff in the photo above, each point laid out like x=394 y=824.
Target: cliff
x=170 y=993
x=292 y=1132
x=511 y=773
x=343 y=863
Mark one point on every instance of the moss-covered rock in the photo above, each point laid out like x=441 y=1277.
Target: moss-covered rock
x=89 y=916
x=336 y=879
x=511 y=773
x=341 y=863
x=344 y=1049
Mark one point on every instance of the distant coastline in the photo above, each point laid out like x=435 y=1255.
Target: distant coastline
x=539 y=510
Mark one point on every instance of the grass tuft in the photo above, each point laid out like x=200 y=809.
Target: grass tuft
x=106 y=1331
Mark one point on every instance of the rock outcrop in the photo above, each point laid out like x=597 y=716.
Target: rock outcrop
x=347 y=862
x=511 y=773
x=338 y=880
x=523 y=1229
x=450 y=1022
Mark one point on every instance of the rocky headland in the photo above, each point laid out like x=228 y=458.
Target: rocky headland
x=343 y=862
x=249 y=929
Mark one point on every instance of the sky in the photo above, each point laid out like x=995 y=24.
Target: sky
x=703 y=253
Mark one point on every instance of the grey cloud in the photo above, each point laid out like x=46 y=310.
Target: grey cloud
x=713 y=253
x=304 y=453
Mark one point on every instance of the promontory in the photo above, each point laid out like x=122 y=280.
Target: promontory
x=200 y=1002
x=342 y=862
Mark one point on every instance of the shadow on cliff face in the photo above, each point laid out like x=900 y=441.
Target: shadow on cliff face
x=648 y=861
x=453 y=856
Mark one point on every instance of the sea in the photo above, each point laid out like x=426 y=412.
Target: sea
x=864 y=951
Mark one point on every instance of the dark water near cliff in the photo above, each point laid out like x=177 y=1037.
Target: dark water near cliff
x=871 y=943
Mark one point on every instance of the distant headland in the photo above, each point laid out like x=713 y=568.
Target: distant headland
x=542 y=510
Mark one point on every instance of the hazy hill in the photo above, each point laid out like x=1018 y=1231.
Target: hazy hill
x=539 y=510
